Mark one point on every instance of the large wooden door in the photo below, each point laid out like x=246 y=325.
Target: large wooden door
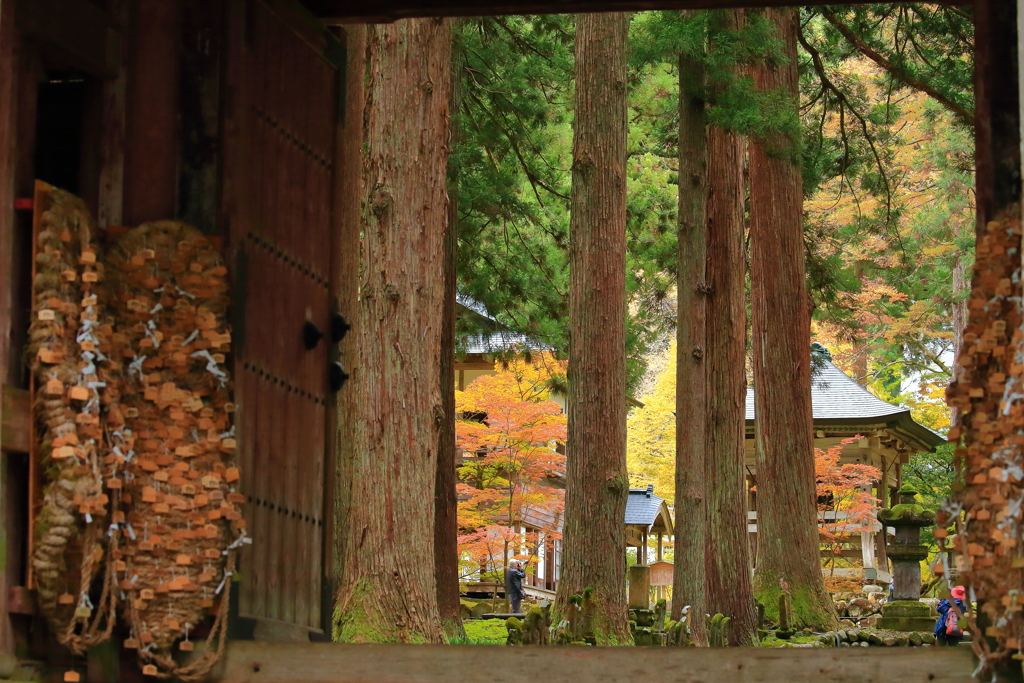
x=280 y=133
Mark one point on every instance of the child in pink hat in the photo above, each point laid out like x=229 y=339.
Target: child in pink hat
x=949 y=629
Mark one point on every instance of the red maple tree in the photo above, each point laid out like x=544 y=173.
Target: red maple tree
x=508 y=430
x=846 y=506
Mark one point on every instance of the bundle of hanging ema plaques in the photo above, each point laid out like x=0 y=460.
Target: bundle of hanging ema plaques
x=181 y=523
x=989 y=391
x=67 y=341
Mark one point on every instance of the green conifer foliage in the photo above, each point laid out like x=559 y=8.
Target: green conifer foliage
x=513 y=163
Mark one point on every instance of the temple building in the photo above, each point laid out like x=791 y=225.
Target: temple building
x=889 y=436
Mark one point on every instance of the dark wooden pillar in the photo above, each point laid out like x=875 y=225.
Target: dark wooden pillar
x=997 y=109
x=8 y=152
x=199 y=104
x=111 y=143
x=151 y=145
x=998 y=177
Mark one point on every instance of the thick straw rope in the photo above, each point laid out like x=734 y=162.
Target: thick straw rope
x=65 y=347
x=159 y=454
x=180 y=505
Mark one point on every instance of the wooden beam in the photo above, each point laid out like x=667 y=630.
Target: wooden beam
x=8 y=157
x=254 y=662
x=16 y=414
x=344 y=282
x=110 y=193
x=997 y=112
x=72 y=33
x=199 y=105
x=151 y=140
x=355 y=11
x=475 y=365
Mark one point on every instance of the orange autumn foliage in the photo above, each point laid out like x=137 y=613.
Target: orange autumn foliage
x=508 y=430
x=846 y=506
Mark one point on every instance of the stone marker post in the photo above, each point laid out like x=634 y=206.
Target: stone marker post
x=639 y=587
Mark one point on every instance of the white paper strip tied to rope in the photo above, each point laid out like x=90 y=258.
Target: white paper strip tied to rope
x=211 y=366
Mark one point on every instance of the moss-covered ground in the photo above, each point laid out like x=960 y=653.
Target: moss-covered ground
x=772 y=641
x=483 y=632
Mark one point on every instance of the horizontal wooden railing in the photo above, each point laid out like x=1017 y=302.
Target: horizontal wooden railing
x=253 y=662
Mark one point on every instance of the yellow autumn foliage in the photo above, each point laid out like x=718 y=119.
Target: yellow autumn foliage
x=651 y=433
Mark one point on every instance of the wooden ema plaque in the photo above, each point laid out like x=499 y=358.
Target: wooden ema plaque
x=174 y=289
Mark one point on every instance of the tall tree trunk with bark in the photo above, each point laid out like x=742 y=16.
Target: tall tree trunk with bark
x=961 y=286
x=861 y=355
x=446 y=528
x=788 y=555
x=388 y=590
x=728 y=547
x=597 y=484
x=346 y=262
x=691 y=391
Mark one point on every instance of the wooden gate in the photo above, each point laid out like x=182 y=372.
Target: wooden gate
x=280 y=130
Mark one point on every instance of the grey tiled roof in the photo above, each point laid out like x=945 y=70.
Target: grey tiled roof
x=837 y=399
x=499 y=339
x=497 y=342
x=835 y=395
x=642 y=506
x=473 y=305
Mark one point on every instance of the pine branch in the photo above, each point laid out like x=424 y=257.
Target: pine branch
x=932 y=357
x=896 y=72
x=957 y=33
x=532 y=177
x=518 y=40
x=959 y=11
x=844 y=104
x=537 y=262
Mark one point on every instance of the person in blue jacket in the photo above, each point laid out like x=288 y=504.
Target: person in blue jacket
x=945 y=611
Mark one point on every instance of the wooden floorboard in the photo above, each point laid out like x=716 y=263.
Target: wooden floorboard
x=254 y=662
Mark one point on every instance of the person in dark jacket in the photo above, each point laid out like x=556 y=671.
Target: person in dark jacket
x=945 y=610
x=514 y=585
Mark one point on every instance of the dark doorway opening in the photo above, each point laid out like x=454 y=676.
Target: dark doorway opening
x=59 y=129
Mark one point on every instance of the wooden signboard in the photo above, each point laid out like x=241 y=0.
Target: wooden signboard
x=661 y=573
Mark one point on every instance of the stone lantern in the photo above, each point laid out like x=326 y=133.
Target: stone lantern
x=908 y=517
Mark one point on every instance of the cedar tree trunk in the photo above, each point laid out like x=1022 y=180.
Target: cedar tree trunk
x=446 y=526
x=345 y=277
x=961 y=285
x=788 y=555
x=691 y=391
x=860 y=344
x=597 y=485
x=728 y=555
x=388 y=590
